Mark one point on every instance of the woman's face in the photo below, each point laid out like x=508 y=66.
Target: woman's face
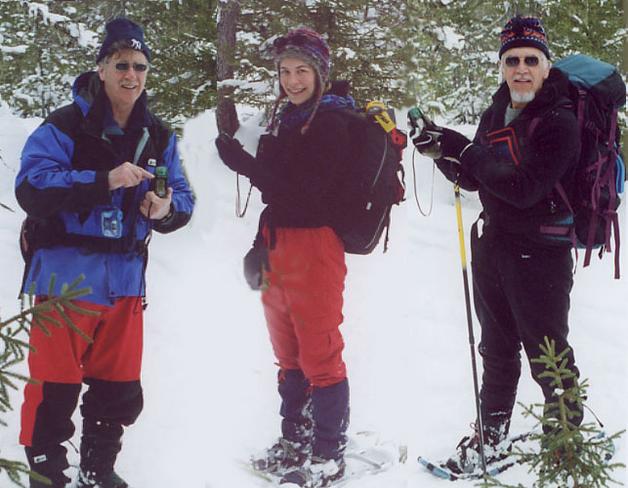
x=298 y=79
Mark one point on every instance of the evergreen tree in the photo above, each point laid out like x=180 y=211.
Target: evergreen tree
x=438 y=53
x=366 y=39
x=41 y=51
x=456 y=45
x=570 y=455
x=181 y=35
x=44 y=45
x=13 y=350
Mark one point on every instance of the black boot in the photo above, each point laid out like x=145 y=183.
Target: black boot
x=468 y=456
x=49 y=462
x=100 y=445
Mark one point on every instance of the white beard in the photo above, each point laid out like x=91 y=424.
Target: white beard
x=518 y=97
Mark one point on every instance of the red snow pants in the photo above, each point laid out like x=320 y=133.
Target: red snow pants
x=110 y=365
x=303 y=302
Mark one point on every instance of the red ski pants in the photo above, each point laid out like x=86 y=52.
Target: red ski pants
x=303 y=302
x=62 y=361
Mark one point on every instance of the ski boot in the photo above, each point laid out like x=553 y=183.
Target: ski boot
x=48 y=462
x=100 y=445
x=468 y=458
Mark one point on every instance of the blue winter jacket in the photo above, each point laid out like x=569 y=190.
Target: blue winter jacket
x=76 y=225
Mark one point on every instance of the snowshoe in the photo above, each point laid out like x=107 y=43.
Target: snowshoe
x=317 y=473
x=90 y=479
x=468 y=459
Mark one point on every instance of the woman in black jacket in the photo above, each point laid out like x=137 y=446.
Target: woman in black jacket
x=300 y=168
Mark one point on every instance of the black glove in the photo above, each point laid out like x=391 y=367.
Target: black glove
x=453 y=144
x=449 y=168
x=440 y=142
x=234 y=156
x=427 y=141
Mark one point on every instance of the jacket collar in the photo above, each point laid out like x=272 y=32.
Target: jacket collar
x=555 y=91
x=90 y=96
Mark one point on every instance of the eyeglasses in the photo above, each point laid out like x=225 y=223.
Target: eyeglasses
x=124 y=66
x=530 y=61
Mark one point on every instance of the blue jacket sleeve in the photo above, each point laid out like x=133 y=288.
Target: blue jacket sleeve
x=182 y=197
x=46 y=183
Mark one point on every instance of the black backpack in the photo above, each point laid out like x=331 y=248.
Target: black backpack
x=375 y=178
x=597 y=91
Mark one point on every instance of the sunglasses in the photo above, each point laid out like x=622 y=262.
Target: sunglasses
x=530 y=61
x=124 y=66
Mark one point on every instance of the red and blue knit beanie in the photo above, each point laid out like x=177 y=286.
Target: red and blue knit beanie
x=123 y=29
x=524 y=32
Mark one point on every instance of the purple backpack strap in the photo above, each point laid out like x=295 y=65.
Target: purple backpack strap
x=555 y=230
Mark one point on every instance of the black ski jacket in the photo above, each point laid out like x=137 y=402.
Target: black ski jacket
x=516 y=172
x=301 y=175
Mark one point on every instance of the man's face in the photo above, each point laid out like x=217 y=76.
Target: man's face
x=124 y=76
x=524 y=69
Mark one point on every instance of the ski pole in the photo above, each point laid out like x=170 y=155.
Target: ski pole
x=467 y=299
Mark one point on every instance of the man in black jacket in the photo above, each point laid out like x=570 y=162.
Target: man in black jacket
x=522 y=273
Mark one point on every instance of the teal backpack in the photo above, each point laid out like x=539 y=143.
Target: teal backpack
x=597 y=92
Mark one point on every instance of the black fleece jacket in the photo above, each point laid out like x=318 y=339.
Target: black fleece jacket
x=301 y=176
x=516 y=174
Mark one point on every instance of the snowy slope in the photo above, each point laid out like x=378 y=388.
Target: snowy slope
x=209 y=377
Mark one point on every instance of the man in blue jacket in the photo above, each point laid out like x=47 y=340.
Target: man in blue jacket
x=85 y=183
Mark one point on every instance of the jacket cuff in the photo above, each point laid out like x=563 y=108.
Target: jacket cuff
x=102 y=195
x=169 y=216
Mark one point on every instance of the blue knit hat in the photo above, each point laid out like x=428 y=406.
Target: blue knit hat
x=524 y=32
x=123 y=29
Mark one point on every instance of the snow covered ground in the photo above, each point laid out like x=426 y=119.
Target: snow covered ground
x=209 y=377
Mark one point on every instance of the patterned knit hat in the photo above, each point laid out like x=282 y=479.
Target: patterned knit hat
x=123 y=29
x=524 y=32
x=305 y=44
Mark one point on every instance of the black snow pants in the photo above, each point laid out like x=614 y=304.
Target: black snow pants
x=521 y=295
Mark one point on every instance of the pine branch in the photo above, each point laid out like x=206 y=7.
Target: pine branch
x=14 y=350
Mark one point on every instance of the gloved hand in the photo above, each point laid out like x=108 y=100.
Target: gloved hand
x=427 y=141
x=453 y=144
x=440 y=142
x=234 y=156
